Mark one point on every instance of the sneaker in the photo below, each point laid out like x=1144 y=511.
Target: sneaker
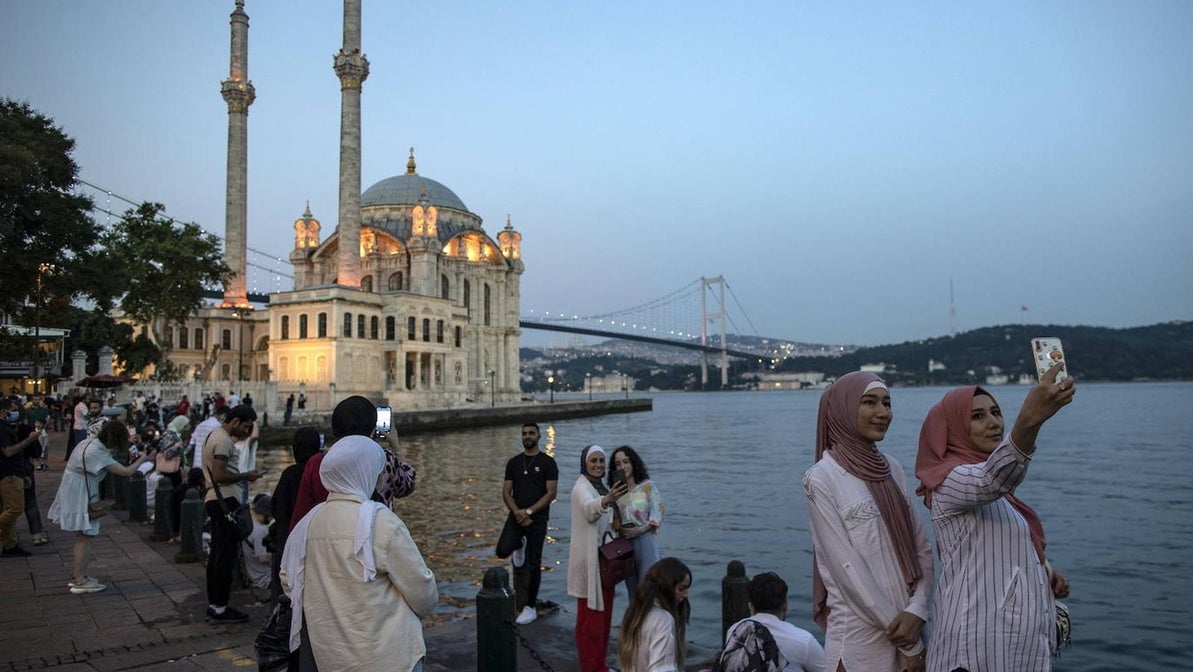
x=229 y=615
x=41 y=539
x=527 y=616
x=72 y=583
x=15 y=551
x=88 y=586
x=518 y=557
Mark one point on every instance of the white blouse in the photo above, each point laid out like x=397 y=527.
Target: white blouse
x=994 y=606
x=866 y=588
x=656 y=643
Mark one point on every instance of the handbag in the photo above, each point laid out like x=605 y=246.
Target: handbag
x=616 y=558
x=241 y=519
x=95 y=509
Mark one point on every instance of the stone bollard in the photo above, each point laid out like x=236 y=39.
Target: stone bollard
x=138 y=507
x=163 y=500
x=191 y=528
x=119 y=489
x=496 y=648
x=735 y=596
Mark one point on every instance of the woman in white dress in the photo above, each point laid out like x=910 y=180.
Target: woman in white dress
x=994 y=601
x=89 y=463
x=872 y=571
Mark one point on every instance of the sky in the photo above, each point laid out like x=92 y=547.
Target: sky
x=840 y=164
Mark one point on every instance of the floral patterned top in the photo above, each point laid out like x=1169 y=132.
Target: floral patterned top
x=641 y=506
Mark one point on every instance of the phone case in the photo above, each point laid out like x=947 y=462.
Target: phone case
x=1047 y=352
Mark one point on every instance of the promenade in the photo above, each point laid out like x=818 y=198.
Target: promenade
x=152 y=616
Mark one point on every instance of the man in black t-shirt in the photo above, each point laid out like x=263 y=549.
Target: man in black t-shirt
x=12 y=478
x=531 y=479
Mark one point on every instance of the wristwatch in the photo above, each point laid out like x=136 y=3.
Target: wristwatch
x=530 y=512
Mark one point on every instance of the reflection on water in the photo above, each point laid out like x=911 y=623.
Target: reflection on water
x=1110 y=480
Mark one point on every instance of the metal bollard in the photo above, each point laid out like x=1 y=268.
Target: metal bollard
x=191 y=528
x=735 y=596
x=119 y=489
x=496 y=648
x=138 y=507
x=163 y=500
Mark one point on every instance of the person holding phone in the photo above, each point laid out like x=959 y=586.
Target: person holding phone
x=637 y=514
x=986 y=536
x=872 y=568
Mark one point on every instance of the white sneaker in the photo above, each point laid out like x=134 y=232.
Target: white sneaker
x=527 y=616
x=88 y=586
x=518 y=557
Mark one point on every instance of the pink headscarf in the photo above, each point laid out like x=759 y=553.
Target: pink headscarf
x=836 y=430
x=945 y=444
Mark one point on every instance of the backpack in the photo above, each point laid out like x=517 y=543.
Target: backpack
x=749 y=647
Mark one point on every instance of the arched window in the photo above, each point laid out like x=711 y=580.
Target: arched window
x=426 y=330
x=168 y=337
x=458 y=339
x=410 y=335
x=395 y=281
x=366 y=283
x=302 y=326
x=468 y=295
x=285 y=327
x=373 y=322
x=183 y=338
x=347 y=325
x=322 y=325
x=487 y=304
x=445 y=287
x=439 y=331
x=390 y=328
x=198 y=339
x=360 y=326
x=226 y=339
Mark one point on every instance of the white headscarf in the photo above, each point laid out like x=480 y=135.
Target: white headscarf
x=351 y=467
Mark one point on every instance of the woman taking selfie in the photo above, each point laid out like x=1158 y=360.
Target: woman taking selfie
x=986 y=535
x=638 y=513
x=872 y=569
x=652 y=630
x=591 y=519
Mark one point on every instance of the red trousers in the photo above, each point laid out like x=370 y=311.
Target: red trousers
x=592 y=633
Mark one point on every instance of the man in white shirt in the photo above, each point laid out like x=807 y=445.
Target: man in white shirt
x=202 y=430
x=233 y=400
x=768 y=604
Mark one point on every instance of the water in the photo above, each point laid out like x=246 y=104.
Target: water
x=1112 y=481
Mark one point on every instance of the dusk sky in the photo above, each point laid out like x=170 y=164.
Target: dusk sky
x=838 y=163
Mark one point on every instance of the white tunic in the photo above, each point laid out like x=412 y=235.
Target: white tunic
x=866 y=588
x=994 y=607
x=590 y=522
x=656 y=643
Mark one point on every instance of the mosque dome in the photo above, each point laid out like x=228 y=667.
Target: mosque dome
x=408 y=189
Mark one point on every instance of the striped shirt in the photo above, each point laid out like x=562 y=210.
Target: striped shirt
x=994 y=609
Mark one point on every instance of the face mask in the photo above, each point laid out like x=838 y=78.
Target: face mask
x=13 y=416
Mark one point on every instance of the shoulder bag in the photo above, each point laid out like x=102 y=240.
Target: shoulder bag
x=95 y=509
x=241 y=519
x=616 y=558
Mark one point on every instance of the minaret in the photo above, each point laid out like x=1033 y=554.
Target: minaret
x=352 y=68
x=239 y=94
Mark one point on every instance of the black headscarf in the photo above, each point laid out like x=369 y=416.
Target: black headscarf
x=354 y=416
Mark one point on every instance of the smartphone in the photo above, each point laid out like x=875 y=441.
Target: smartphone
x=618 y=477
x=1048 y=352
x=321 y=441
x=385 y=416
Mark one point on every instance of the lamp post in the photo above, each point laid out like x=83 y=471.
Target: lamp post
x=239 y=315
x=41 y=268
x=588 y=383
x=551 y=385
x=625 y=384
x=492 y=388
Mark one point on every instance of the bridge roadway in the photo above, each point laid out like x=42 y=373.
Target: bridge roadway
x=548 y=326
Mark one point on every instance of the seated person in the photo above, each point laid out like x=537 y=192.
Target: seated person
x=256 y=557
x=768 y=604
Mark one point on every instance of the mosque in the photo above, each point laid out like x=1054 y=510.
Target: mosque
x=408 y=299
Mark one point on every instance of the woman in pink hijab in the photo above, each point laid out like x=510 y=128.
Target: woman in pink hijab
x=995 y=605
x=872 y=573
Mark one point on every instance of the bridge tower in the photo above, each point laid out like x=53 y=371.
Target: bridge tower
x=705 y=318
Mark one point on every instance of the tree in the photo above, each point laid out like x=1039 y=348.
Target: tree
x=155 y=270
x=42 y=221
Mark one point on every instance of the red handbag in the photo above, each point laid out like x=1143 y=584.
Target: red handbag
x=616 y=558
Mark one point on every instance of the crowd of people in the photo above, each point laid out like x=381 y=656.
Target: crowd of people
x=328 y=543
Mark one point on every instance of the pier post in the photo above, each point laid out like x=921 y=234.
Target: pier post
x=163 y=499
x=496 y=648
x=191 y=528
x=137 y=504
x=735 y=596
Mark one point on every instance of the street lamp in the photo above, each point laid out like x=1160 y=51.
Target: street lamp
x=625 y=384
x=41 y=268
x=551 y=383
x=492 y=388
x=588 y=382
x=239 y=315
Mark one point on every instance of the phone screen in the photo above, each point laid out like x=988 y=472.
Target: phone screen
x=384 y=418
x=321 y=441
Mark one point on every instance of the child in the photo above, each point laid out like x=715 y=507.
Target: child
x=256 y=557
